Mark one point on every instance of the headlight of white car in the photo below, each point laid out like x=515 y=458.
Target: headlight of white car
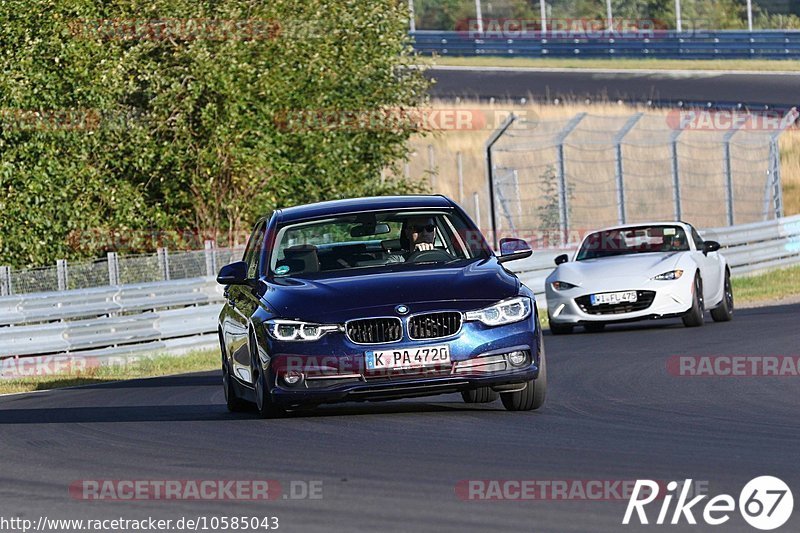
x=562 y=285
x=505 y=312
x=668 y=276
x=294 y=330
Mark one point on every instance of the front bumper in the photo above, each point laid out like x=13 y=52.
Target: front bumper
x=671 y=298
x=477 y=353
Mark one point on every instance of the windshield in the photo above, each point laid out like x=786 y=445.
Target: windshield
x=370 y=240
x=625 y=241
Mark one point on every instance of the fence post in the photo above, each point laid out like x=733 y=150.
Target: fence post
x=563 y=190
x=493 y=138
x=113 y=269
x=6 y=288
x=476 y=202
x=432 y=166
x=211 y=259
x=460 y=172
x=62 y=273
x=676 y=177
x=163 y=263
x=618 y=170
x=775 y=168
x=726 y=165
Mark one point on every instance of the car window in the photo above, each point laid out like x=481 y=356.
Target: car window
x=624 y=241
x=698 y=240
x=367 y=240
x=252 y=251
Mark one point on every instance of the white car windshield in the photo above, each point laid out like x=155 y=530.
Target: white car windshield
x=633 y=240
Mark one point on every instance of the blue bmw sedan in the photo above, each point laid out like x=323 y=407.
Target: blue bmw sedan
x=377 y=299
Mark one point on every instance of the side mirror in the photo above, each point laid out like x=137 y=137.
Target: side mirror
x=233 y=274
x=710 y=246
x=513 y=249
x=563 y=258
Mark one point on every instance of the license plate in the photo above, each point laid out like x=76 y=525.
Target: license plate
x=408 y=357
x=613 y=297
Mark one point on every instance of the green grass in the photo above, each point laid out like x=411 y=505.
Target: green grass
x=652 y=64
x=774 y=285
x=159 y=365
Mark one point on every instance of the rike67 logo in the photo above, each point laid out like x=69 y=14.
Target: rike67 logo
x=765 y=503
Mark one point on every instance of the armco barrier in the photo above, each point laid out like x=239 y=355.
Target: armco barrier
x=181 y=314
x=698 y=44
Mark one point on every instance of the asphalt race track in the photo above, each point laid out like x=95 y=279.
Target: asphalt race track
x=660 y=87
x=613 y=413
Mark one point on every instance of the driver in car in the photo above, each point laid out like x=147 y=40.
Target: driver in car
x=418 y=234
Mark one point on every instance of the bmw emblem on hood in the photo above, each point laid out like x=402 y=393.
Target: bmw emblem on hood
x=401 y=309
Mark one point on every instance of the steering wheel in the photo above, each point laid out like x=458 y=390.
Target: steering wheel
x=422 y=256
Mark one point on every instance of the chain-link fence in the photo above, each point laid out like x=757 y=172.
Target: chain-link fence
x=559 y=178
x=118 y=270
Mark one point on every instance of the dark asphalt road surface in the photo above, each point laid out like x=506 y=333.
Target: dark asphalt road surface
x=613 y=413
x=661 y=87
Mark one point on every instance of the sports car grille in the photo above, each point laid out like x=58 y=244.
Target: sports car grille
x=434 y=325
x=375 y=330
x=644 y=299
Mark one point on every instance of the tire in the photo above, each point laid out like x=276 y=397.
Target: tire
x=724 y=311
x=479 y=395
x=264 y=405
x=694 y=316
x=233 y=402
x=594 y=327
x=560 y=329
x=532 y=397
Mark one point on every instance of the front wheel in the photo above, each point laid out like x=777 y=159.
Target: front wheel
x=724 y=311
x=232 y=400
x=560 y=329
x=266 y=408
x=532 y=396
x=694 y=316
x=479 y=395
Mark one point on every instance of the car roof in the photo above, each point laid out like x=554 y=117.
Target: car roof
x=360 y=205
x=684 y=225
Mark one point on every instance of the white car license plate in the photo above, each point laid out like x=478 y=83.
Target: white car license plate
x=408 y=357
x=613 y=297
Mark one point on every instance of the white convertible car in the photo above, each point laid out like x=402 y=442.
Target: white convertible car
x=637 y=272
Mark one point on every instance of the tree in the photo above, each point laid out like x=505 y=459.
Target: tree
x=187 y=104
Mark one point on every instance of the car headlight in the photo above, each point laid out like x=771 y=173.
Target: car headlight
x=562 y=285
x=505 y=312
x=667 y=276
x=294 y=330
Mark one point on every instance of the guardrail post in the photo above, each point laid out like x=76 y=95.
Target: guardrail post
x=618 y=170
x=211 y=259
x=62 y=273
x=563 y=190
x=163 y=263
x=6 y=289
x=113 y=269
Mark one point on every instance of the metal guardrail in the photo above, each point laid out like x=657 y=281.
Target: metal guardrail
x=697 y=44
x=180 y=314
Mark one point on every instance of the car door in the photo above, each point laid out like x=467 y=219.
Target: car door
x=240 y=300
x=710 y=269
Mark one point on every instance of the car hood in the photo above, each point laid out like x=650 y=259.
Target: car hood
x=376 y=292
x=633 y=266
